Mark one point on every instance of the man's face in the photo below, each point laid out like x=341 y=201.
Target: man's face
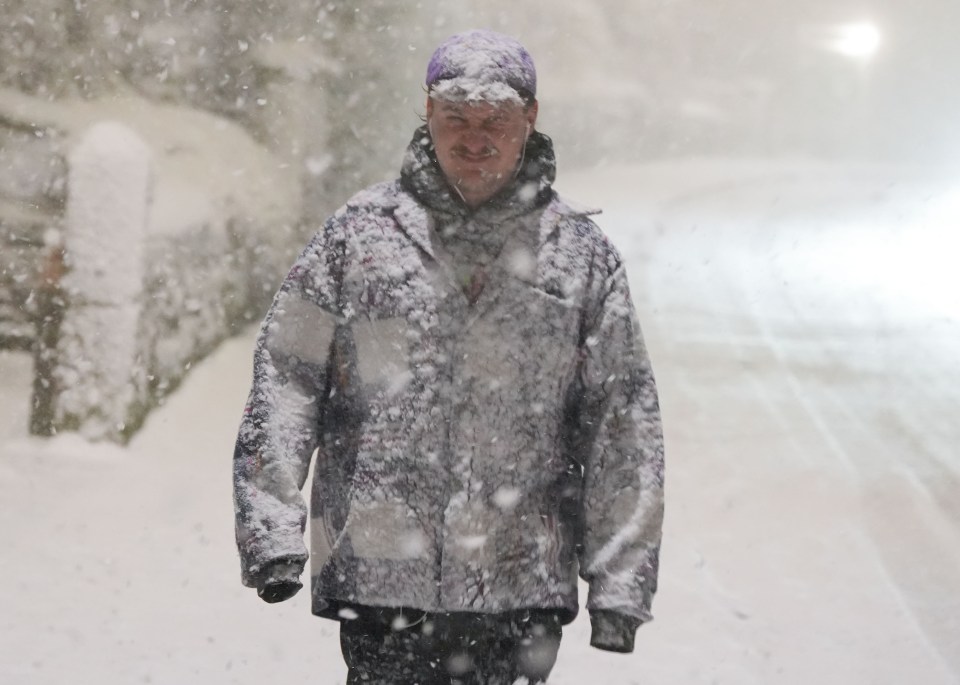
x=478 y=145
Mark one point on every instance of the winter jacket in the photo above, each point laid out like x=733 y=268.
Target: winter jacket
x=473 y=453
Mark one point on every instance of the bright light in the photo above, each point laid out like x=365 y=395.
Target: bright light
x=857 y=40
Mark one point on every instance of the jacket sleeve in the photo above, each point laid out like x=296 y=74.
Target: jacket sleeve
x=279 y=429
x=616 y=435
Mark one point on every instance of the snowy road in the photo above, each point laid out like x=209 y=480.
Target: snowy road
x=803 y=322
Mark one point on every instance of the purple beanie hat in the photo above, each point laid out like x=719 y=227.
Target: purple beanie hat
x=482 y=65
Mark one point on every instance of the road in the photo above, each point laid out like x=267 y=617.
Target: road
x=804 y=323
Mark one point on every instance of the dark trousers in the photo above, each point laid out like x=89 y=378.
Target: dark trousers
x=451 y=649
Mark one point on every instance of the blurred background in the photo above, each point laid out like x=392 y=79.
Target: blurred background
x=334 y=88
x=780 y=177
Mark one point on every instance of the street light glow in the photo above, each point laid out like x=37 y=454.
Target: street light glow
x=859 y=41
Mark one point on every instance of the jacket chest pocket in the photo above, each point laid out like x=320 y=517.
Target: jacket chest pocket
x=382 y=350
x=549 y=314
x=527 y=342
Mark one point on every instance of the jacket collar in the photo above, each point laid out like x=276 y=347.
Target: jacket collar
x=413 y=220
x=421 y=193
x=424 y=191
x=421 y=176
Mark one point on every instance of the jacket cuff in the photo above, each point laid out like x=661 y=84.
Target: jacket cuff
x=613 y=631
x=278 y=572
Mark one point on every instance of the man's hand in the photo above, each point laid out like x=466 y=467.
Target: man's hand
x=279 y=582
x=613 y=631
x=278 y=592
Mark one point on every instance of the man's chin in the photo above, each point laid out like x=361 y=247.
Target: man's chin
x=474 y=172
x=485 y=187
x=479 y=176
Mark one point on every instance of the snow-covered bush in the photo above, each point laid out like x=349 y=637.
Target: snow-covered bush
x=176 y=230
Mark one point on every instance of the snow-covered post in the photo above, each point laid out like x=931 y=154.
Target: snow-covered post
x=98 y=379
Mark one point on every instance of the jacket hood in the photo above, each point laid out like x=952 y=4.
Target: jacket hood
x=532 y=187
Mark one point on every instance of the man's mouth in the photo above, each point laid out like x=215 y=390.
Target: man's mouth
x=471 y=157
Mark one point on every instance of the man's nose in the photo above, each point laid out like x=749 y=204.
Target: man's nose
x=475 y=140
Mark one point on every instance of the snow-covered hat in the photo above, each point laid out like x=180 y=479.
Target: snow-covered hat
x=482 y=65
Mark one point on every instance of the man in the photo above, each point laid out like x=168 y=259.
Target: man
x=460 y=348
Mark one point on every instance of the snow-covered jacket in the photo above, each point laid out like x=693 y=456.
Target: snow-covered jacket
x=471 y=456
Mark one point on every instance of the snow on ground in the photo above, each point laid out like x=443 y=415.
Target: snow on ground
x=809 y=375
x=800 y=324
